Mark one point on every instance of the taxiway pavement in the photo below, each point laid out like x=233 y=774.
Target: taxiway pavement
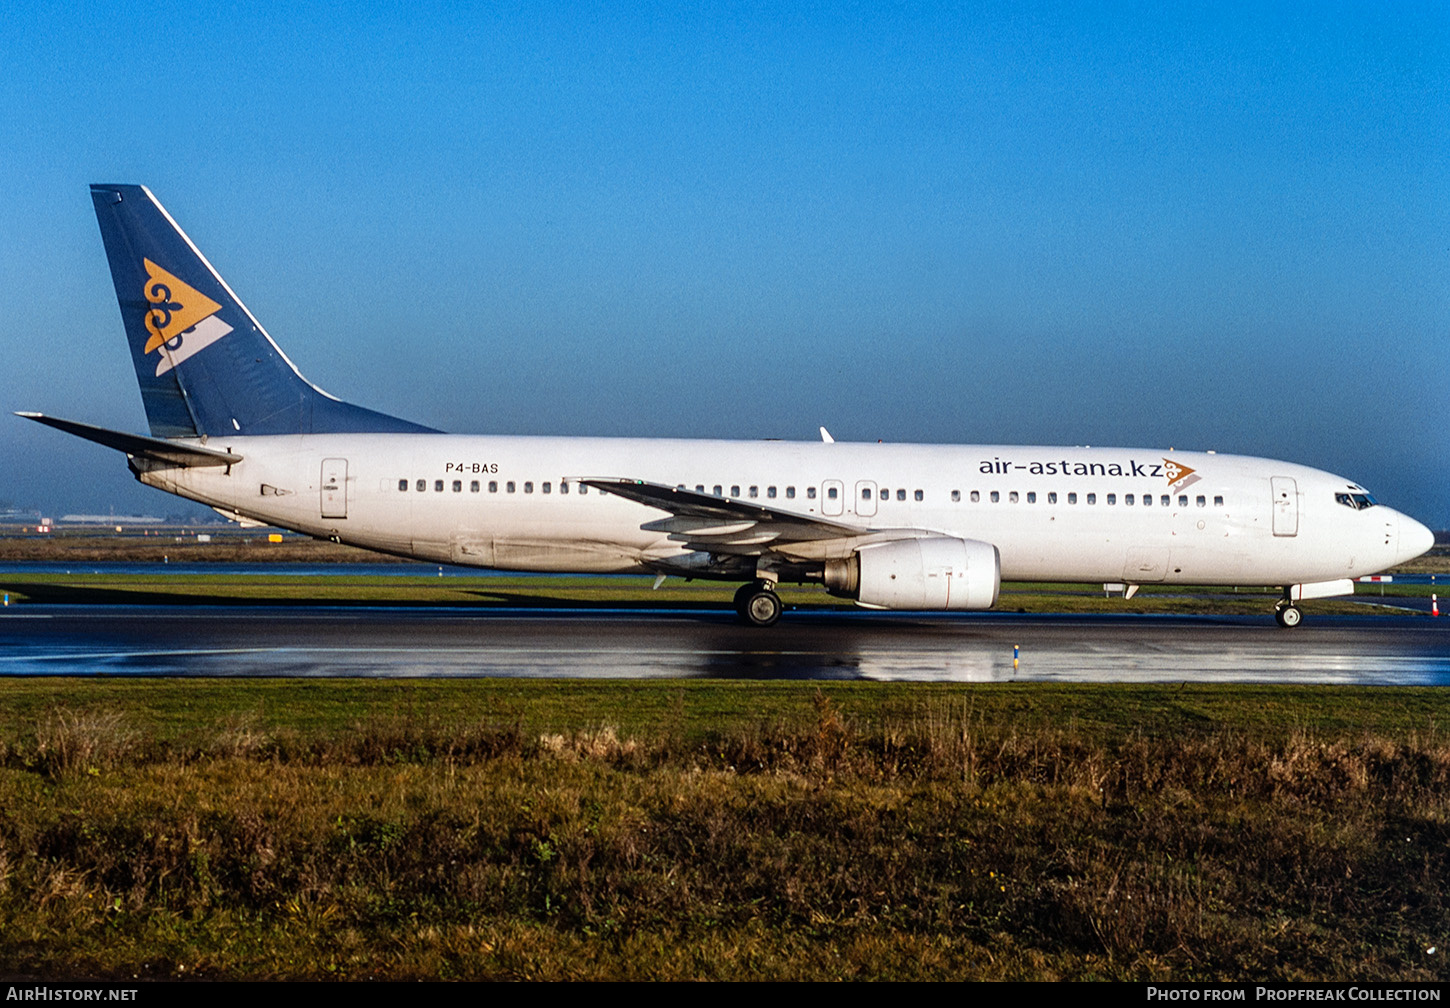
x=977 y=647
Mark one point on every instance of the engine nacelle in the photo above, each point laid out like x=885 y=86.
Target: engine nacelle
x=935 y=572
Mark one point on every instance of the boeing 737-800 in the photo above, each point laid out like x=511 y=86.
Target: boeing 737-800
x=893 y=526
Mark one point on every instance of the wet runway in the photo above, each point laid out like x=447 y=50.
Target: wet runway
x=978 y=647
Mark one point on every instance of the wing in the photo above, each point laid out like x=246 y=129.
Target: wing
x=726 y=525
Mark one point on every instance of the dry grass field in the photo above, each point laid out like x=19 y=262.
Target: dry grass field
x=543 y=830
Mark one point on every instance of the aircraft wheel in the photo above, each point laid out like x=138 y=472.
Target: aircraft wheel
x=757 y=605
x=1289 y=616
x=742 y=595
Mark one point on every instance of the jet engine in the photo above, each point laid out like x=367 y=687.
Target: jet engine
x=933 y=572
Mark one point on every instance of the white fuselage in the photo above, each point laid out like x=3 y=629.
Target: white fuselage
x=1054 y=514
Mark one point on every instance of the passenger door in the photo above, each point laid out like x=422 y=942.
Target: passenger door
x=1286 y=505
x=334 y=488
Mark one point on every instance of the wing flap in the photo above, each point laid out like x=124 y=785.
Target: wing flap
x=698 y=526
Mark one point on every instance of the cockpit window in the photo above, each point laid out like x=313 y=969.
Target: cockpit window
x=1357 y=501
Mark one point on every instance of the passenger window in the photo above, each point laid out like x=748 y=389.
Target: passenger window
x=755 y=491
x=790 y=493
x=996 y=497
x=1218 y=501
x=1072 y=498
x=1183 y=500
x=1052 y=497
x=1012 y=497
x=811 y=493
x=917 y=495
x=976 y=496
x=1092 y=498
x=563 y=486
x=422 y=485
x=437 y=486
x=719 y=491
x=901 y=495
x=865 y=493
x=885 y=494
x=956 y=496
x=734 y=491
x=1147 y=500
x=583 y=488
x=473 y=486
x=509 y=486
x=831 y=493
x=1201 y=501
x=547 y=487
x=403 y=485
x=1127 y=500
x=1031 y=496
x=528 y=486
x=1112 y=499
x=458 y=486
x=1165 y=500
x=699 y=488
x=493 y=486
x=770 y=492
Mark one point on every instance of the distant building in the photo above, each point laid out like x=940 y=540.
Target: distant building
x=85 y=519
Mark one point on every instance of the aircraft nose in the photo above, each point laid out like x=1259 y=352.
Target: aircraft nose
x=1415 y=539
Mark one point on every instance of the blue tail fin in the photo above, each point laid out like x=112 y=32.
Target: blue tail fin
x=205 y=365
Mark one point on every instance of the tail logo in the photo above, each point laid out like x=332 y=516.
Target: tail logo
x=181 y=319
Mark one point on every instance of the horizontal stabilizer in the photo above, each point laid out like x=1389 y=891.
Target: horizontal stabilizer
x=170 y=452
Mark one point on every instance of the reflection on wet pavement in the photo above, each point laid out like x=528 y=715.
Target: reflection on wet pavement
x=384 y=642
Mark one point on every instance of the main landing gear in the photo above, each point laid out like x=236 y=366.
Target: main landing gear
x=757 y=604
x=1288 y=615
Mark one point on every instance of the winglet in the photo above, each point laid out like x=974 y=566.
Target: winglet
x=826 y=436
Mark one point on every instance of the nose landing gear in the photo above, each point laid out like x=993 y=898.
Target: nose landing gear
x=1288 y=615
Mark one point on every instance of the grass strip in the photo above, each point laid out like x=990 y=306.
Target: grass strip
x=740 y=830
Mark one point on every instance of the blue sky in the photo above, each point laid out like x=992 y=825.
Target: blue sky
x=1203 y=226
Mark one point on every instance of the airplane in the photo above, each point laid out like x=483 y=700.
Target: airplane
x=234 y=425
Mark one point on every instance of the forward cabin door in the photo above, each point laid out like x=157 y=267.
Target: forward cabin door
x=1286 y=505
x=334 y=488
